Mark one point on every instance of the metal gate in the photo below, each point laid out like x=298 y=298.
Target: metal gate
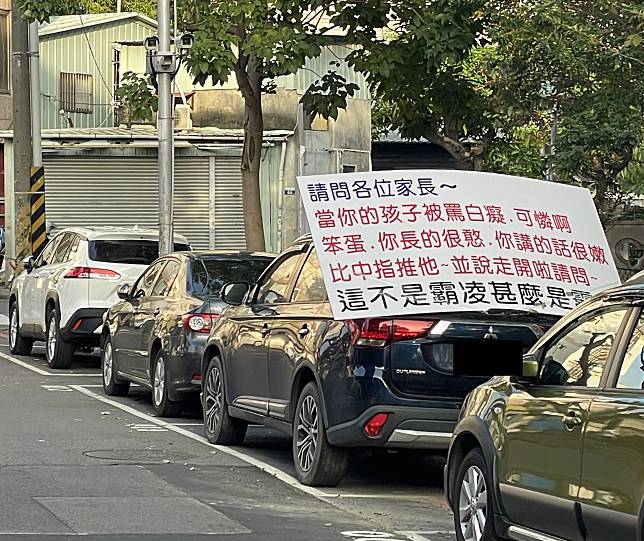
x=123 y=191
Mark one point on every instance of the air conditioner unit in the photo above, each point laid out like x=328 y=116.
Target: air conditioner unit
x=182 y=117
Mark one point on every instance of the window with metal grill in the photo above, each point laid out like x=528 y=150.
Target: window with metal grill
x=76 y=92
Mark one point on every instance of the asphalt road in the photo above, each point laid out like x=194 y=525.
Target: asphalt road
x=75 y=462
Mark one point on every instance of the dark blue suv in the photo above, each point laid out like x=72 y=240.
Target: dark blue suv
x=277 y=357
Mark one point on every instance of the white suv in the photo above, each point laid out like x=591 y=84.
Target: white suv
x=62 y=295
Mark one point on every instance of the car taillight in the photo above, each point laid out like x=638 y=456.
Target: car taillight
x=373 y=426
x=380 y=332
x=92 y=272
x=199 y=322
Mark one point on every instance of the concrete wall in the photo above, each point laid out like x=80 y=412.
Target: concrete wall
x=626 y=240
x=224 y=108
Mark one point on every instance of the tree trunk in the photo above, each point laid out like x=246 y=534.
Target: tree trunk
x=250 y=84
x=462 y=157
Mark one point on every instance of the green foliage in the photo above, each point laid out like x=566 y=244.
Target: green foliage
x=259 y=41
x=137 y=99
x=631 y=179
x=42 y=10
x=417 y=68
x=587 y=54
x=328 y=95
x=518 y=152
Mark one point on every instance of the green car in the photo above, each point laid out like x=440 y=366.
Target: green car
x=558 y=454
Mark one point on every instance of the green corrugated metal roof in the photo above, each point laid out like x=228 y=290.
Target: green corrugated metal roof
x=69 y=23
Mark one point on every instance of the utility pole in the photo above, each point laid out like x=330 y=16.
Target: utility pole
x=165 y=68
x=34 y=86
x=22 y=154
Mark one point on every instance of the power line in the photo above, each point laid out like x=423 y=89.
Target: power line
x=49 y=97
x=98 y=68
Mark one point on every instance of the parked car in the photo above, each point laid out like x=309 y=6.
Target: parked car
x=155 y=336
x=280 y=359
x=559 y=453
x=62 y=294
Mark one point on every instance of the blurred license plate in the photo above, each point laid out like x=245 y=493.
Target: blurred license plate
x=488 y=358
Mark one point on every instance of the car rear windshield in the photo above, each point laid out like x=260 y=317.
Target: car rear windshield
x=210 y=275
x=134 y=252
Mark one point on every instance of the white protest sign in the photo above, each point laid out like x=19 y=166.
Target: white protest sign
x=409 y=242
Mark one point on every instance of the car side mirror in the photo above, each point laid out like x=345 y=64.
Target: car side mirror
x=123 y=292
x=28 y=263
x=234 y=293
x=530 y=369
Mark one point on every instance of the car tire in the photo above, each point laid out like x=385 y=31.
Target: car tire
x=473 y=511
x=317 y=462
x=163 y=406
x=111 y=385
x=59 y=353
x=219 y=426
x=18 y=344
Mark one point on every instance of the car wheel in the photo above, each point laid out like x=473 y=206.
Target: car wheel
x=58 y=352
x=18 y=345
x=473 y=515
x=111 y=385
x=317 y=462
x=219 y=426
x=161 y=402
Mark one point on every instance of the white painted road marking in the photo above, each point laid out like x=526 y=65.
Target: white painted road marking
x=58 y=388
x=420 y=536
x=163 y=426
x=44 y=372
x=147 y=427
x=271 y=470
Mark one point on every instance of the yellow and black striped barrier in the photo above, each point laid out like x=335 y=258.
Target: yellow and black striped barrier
x=38 y=225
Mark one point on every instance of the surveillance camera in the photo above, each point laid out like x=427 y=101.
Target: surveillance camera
x=185 y=42
x=151 y=43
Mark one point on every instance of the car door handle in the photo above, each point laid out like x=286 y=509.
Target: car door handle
x=304 y=331
x=265 y=330
x=572 y=419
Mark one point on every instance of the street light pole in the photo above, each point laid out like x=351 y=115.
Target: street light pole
x=165 y=127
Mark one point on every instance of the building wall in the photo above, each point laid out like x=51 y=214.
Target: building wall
x=5 y=98
x=224 y=108
x=89 y=51
x=626 y=240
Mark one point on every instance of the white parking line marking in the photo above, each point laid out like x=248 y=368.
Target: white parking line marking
x=44 y=372
x=420 y=536
x=147 y=427
x=271 y=470
x=179 y=424
x=58 y=388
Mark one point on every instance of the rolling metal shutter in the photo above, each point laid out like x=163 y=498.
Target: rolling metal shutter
x=192 y=200
x=123 y=191
x=99 y=191
x=229 y=209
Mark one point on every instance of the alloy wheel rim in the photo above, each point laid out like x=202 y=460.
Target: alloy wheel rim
x=214 y=400
x=107 y=364
x=472 y=505
x=307 y=433
x=13 y=328
x=51 y=337
x=159 y=381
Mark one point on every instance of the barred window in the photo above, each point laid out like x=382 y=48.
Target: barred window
x=76 y=92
